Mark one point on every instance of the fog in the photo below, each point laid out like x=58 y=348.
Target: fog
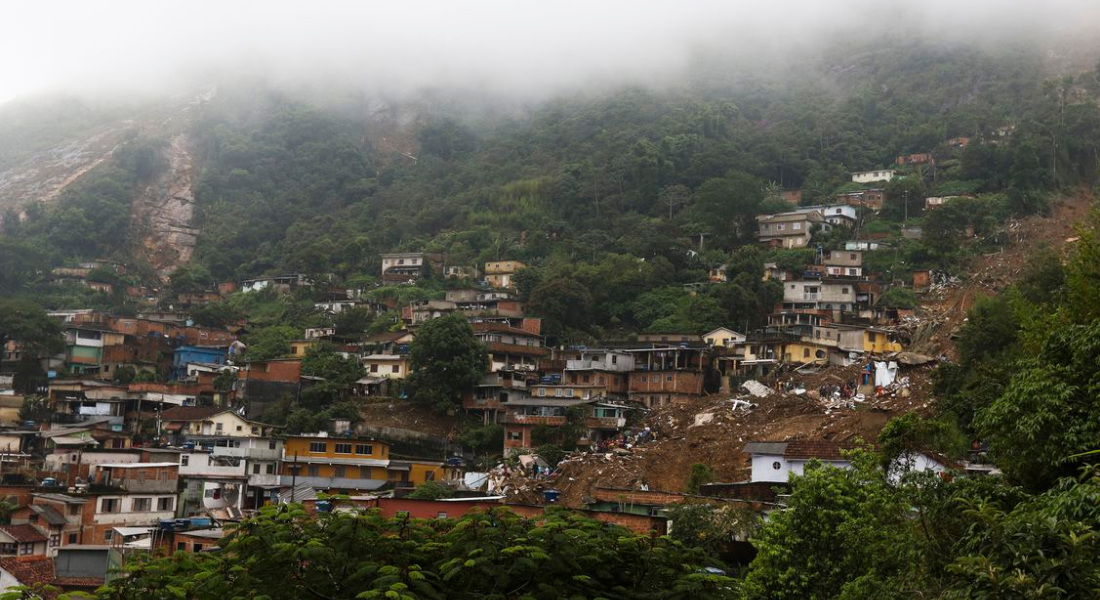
x=510 y=48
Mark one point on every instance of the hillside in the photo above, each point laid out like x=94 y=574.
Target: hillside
x=258 y=181
x=714 y=429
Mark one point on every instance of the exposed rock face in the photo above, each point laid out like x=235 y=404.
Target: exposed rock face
x=164 y=208
x=42 y=177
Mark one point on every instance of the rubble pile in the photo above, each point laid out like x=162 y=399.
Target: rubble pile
x=712 y=430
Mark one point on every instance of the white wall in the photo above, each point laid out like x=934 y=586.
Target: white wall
x=763 y=467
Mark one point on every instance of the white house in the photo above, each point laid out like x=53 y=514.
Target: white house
x=869 y=176
x=723 y=338
x=775 y=461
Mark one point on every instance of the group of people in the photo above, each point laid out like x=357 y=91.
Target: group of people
x=844 y=390
x=626 y=439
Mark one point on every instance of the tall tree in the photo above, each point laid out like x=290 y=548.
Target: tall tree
x=445 y=360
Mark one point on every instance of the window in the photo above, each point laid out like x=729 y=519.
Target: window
x=142 y=504
x=271 y=445
x=515 y=436
x=843 y=290
x=586 y=378
x=7 y=548
x=852 y=272
x=614 y=359
x=343 y=448
x=256 y=469
x=776 y=465
x=239 y=428
x=218 y=426
x=26 y=549
x=72 y=538
x=109 y=505
x=165 y=504
x=429 y=476
x=196 y=548
x=313 y=471
x=255 y=430
x=374 y=368
x=668 y=377
x=820 y=354
x=569 y=393
x=542 y=391
x=364 y=449
x=441 y=515
x=796 y=226
x=108 y=535
x=601 y=380
x=181 y=547
x=364 y=473
x=55 y=539
x=852 y=256
x=270 y=469
x=184 y=460
x=340 y=471
x=164 y=475
x=805 y=353
x=321 y=447
x=74 y=509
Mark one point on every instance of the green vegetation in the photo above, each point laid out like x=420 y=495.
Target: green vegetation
x=445 y=361
x=284 y=553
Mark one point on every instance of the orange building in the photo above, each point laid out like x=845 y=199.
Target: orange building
x=347 y=465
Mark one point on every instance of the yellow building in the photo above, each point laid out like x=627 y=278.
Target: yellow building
x=803 y=352
x=877 y=341
x=298 y=348
x=348 y=465
x=500 y=273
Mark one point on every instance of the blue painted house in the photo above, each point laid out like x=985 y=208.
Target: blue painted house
x=196 y=354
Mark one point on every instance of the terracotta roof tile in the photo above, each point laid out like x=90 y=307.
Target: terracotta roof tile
x=820 y=450
x=29 y=570
x=23 y=533
x=190 y=413
x=78 y=581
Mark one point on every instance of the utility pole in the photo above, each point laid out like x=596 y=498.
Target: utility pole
x=294 y=477
x=906 y=194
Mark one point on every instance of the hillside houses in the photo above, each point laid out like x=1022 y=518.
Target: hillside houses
x=789 y=229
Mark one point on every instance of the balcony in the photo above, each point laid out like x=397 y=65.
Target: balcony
x=613 y=423
x=600 y=365
x=340 y=483
x=213 y=471
x=134 y=519
x=264 y=480
x=811 y=297
x=249 y=453
x=515 y=419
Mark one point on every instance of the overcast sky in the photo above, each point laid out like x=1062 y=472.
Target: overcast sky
x=518 y=46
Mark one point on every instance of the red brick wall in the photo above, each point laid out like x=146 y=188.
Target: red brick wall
x=651 y=498
x=430 y=509
x=683 y=382
x=280 y=370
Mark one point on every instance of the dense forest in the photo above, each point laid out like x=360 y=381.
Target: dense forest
x=616 y=199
